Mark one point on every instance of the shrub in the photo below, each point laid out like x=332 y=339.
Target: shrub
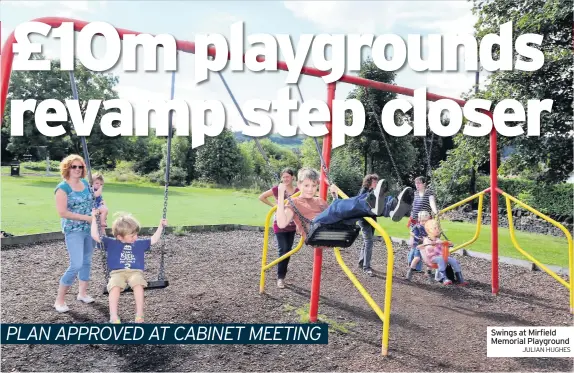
x=123 y=173
x=177 y=176
x=41 y=166
x=202 y=184
x=554 y=200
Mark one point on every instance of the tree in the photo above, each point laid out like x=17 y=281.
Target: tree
x=553 y=20
x=279 y=158
x=219 y=159
x=429 y=151
x=382 y=153
x=309 y=156
x=55 y=84
x=146 y=151
x=182 y=156
x=345 y=171
x=453 y=179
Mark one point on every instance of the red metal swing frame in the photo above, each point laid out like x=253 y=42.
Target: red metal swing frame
x=7 y=56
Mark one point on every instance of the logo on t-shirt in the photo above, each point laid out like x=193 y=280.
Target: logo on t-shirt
x=127 y=258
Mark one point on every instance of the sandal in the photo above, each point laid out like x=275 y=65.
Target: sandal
x=116 y=321
x=139 y=319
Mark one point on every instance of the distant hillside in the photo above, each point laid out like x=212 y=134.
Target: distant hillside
x=290 y=142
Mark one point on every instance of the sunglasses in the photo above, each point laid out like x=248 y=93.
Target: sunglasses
x=75 y=166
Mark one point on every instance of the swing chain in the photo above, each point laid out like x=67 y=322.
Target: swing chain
x=428 y=155
x=317 y=147
x=259 y=147
x=161 y=272
x=86 y=153
x=374 y=111
x=304 y=220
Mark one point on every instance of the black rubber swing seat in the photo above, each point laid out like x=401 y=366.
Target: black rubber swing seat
x=151 y=285
x=332 y=235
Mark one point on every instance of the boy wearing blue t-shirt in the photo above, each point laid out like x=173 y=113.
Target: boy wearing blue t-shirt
x=125 y=259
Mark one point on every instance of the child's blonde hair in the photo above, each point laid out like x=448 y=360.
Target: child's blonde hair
x=125 y=225
x=429 y=225
x=308 y=173
x=423 y=215
x=98 y=176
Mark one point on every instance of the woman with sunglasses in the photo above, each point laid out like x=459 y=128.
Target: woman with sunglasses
x=74 y=205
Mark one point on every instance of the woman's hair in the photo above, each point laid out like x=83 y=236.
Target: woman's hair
x=368 y=180
x=66 y=165
x=125 y=225
x=422 y=179
x=287 y=171
x=308 y=173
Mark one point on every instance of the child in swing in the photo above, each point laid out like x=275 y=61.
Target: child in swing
x=98 y=185
x=125 y=259
x=317 y=210
x=432 y=254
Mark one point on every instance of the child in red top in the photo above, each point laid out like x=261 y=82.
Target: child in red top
x=315 y=209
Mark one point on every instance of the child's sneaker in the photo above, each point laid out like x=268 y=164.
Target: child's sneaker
x=409 y=275
x=380 y=190
x=404 y=205
x=447 y=282
x=460 y=279
x=281 y=284
x=368 y=272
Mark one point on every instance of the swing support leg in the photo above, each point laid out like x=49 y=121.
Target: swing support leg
x=316 y=284
x=318 y=262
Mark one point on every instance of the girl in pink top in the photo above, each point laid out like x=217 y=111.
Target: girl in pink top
x=432 y=247
x=285 y=236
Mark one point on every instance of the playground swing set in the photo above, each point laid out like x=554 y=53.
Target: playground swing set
x=331 y=236
x=161 y=281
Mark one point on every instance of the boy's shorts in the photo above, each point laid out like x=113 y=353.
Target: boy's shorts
x=123 y=277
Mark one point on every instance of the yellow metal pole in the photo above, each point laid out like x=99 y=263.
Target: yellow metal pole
x=478 y=226
x=388 y=282
x=358 y=285
x=287 y=255
x=570 y=285
x=265 y=249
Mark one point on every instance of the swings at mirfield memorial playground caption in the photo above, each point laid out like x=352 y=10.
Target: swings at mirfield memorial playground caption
x=344 y=48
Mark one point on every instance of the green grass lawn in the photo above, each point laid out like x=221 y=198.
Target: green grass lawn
x=28 y=207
